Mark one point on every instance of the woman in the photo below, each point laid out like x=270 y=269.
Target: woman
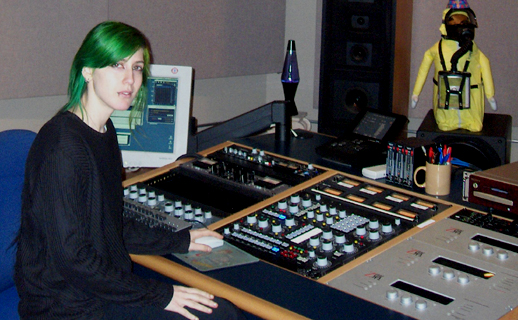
x=72 y=259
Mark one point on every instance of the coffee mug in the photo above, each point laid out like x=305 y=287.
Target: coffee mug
x=437 y=178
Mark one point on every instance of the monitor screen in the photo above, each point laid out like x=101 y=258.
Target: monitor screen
x=374 y=125
x=160 y=135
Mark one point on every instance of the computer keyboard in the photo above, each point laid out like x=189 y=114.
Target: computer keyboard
x=349 y=146
x=353 y=152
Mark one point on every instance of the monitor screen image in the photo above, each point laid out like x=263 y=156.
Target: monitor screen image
x=160 y=135
x=374 y=125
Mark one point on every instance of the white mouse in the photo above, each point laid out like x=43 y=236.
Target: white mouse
x=212 y=242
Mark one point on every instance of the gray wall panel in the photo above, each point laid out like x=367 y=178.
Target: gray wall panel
x=38 y=40
x=220 y=38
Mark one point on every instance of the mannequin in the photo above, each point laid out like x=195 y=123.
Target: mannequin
x=456 y=55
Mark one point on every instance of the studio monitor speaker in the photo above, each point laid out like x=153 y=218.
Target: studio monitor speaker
x=365 y=60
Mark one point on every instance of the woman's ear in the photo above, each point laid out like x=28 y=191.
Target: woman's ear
x=87 y=73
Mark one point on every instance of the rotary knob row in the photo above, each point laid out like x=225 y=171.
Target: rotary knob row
x=488 y=250
x=263 y=223
x=406 y=299
x=327 y=245
x=372 y=234
x=295 y=202
x=176 y=208
x=448 y=274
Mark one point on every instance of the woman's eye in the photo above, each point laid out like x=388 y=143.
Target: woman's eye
x=118 y=65
x=138 y=68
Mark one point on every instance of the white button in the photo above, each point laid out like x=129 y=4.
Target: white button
x=374 y=224
x=488 y=251
x=391 y=294
x=474 y=246
x=406 y=299
x=386 y=228
x=340 y=239
x=434 y=270
x=322 y=261
x=448 y=274
x=349 y=247
x=421 y=304
x=374 y=235
x=327 y=246
x=502 y=255
x=361 y=231
x=463 y=279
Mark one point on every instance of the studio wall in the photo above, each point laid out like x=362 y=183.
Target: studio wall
x=495 y=36
x=219 y=38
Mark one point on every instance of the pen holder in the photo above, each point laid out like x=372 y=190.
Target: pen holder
x=437 y=178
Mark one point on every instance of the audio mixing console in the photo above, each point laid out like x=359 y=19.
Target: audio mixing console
x=315 y=222
x=459 y=268
x=208 y=189
x=320 y=228
x=311 y=231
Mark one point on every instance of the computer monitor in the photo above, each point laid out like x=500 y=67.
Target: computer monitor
x=160 y=135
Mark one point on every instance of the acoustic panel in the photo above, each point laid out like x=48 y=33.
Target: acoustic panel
x=39 y=41
x=221 y=38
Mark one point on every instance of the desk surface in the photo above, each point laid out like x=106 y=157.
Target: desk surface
x=305 y=297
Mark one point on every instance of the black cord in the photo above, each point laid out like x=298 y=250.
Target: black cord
x=190 y=155
x=197 y=222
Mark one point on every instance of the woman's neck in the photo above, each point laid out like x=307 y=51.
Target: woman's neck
x=96 y=124
x=93 y=117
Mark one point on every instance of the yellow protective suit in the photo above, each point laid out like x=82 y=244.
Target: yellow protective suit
x=481 y=83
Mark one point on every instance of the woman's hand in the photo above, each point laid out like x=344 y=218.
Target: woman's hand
x=198 y=233
x=192 y=298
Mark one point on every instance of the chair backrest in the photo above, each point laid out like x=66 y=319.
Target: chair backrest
x=14 y=147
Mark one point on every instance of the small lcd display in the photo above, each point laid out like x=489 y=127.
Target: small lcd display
x=374 y=125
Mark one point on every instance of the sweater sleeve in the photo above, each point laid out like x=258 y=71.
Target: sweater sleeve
x=141 y=239
x=62 y=196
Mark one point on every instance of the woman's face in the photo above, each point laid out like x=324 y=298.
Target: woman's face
x=115 y=87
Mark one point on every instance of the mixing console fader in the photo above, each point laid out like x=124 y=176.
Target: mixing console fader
x=320 y=228
x=454 y=269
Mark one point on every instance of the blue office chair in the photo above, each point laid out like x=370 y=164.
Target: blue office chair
x=14 y=147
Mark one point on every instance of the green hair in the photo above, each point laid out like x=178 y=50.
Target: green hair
x=106 y=44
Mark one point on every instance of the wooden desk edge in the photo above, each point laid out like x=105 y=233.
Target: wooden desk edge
x=511 y=315
x=192 y=278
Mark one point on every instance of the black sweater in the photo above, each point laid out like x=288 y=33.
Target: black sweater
x=73 y=244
